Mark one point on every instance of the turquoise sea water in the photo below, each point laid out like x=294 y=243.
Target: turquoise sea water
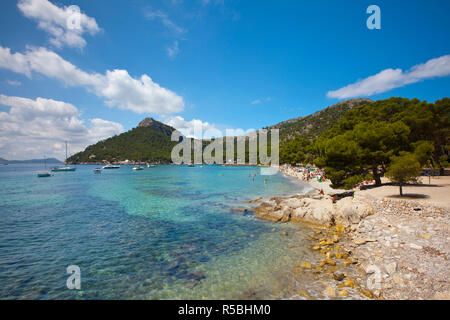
x=168 y=232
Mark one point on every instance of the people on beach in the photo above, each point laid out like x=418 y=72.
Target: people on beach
x=306 y=173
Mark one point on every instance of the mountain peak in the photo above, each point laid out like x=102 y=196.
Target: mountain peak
x=147 y=122
x=152 y=123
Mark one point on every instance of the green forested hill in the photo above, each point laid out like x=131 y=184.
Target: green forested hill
x=315 y=124
x=150 y=141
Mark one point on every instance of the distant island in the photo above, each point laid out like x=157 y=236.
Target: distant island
x=48 y=160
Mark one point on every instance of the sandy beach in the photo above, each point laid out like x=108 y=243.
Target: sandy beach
x=435 y=191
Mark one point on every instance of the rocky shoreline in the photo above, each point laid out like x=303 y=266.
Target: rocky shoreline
x=398 y=249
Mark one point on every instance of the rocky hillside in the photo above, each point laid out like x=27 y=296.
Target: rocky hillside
x=315 y=124
x=149 y=141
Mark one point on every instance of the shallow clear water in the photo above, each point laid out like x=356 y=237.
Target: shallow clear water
x=168 y=232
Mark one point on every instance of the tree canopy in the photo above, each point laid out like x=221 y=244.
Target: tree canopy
x=404 y=168
x=367 y=137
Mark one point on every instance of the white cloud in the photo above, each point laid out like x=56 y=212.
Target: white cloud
x=173 y=50
x=139 y=95
x=200 y=129
x=116 y=87
x=14 y=83
x=215 y=2
x=258 y=101
x=191 y=129
x=165 y=20
x=65 y=26
x=394 y=78
x=34 y=128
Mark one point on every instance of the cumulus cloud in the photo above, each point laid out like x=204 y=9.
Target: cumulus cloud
x=116 y=87
x=192 y=129
x=389 y=79
x=199 y=129
x=34 y=128
x=139 y=95
x=65 y=25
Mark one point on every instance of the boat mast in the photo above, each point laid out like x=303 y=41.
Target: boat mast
x=66 y=153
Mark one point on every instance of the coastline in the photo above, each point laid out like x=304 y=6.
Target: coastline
x=396 y=248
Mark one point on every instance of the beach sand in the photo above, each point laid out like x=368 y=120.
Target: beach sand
x=435 y=193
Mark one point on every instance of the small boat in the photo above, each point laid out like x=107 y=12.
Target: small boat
x=111 y=166
x=63 y=169
x=150 y=165
x=43 y=174
x=138 y=168
x=66 y=168
x=97 y=170
x=191 y=165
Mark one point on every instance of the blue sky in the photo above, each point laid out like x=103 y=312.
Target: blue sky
x=229 y=64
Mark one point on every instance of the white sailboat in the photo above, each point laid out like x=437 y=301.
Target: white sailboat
x=65 y=168
x=111 y=166
x=45 y=173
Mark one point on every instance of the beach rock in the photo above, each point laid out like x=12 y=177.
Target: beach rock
x=391 y=268
x=363 y=241
x=316 y=211
x=330 y=291
x=304 y=294
x=243 y=210
x=415 y=246
x=306 y=265
x=442 y=296
x=352 y=211
x=255 y=200
x=298 y=210
x=343 y=293
x=338 y=276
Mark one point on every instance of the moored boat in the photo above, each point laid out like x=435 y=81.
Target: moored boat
x=65 y=168
x=111 y=166
x=43 y=174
